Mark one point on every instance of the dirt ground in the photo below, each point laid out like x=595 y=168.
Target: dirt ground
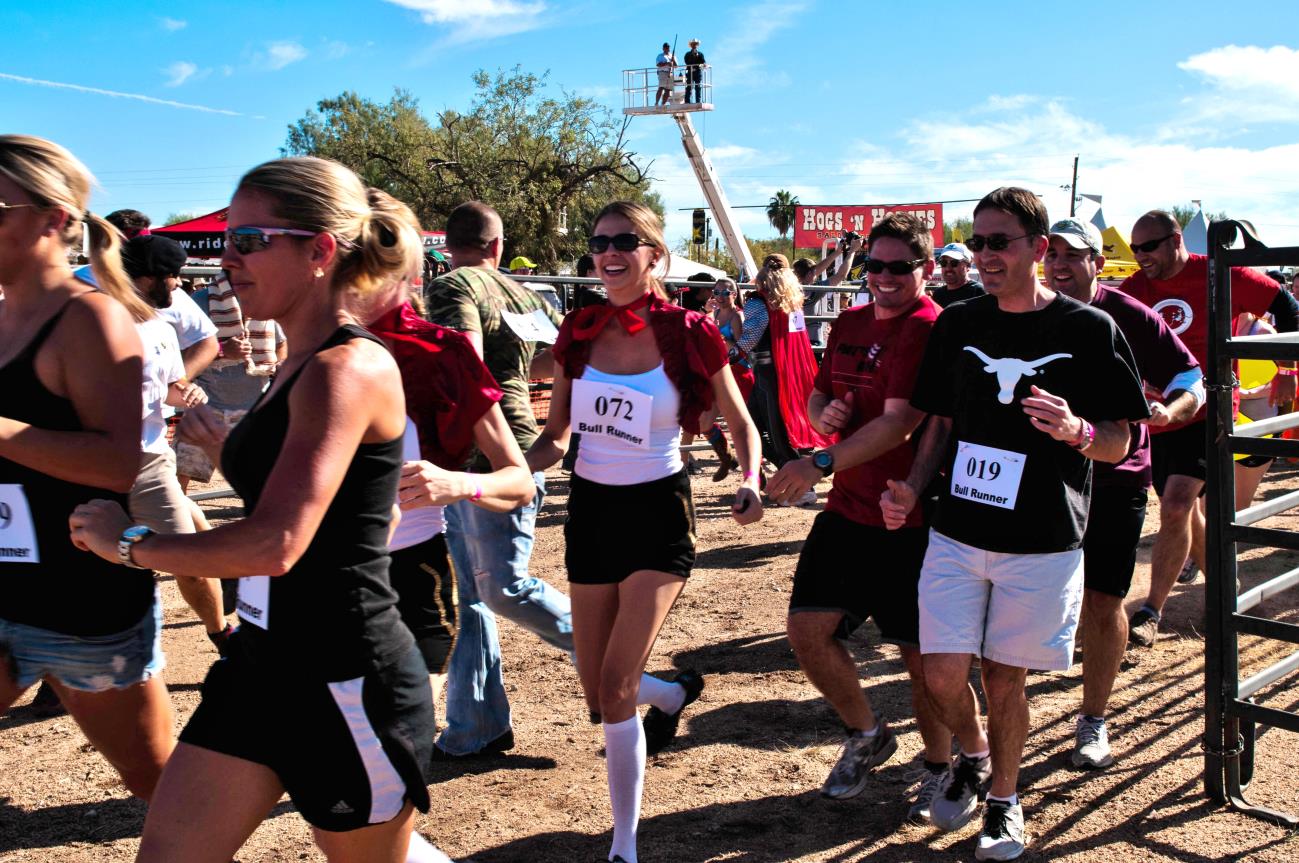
x=741 y=782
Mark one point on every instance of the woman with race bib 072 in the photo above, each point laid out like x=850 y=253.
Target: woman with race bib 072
x=629 y=377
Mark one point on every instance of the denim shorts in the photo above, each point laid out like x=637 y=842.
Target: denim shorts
x=85 y=663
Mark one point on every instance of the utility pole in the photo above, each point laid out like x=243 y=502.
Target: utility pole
x=1073 y=189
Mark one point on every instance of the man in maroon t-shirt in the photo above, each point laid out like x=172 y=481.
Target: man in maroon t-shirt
x=863 y=393
x=1117 y=511
x=1174 y=283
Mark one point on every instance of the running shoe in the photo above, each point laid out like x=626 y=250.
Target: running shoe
x=1091 y=748
x=1143 y=627
x=221 y=640
x=1002 y=836
x=958 y=795
x=1190 y=572
x=661 y=728
x=930 y=781
x=860 y=756
x=501 y=744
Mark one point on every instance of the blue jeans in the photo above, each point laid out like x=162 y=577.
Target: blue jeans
x=490 y=552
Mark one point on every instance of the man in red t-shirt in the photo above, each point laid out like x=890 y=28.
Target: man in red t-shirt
x=1174 y=283
x=863 y=393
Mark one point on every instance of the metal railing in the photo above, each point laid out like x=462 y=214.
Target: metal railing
x=1231 y=712
x=640 y=89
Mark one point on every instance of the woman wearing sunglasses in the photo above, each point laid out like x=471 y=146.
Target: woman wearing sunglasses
x=730 y=323
x=323 y=693
x=784 y=367
x=629 y=377
x=71 y=364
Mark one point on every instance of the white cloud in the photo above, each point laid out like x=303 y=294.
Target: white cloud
x=738 y=60
x=1246 y=86
x=1250 y=68
x=179 y=72
x=171 y=25
x=59 y=85
x=281 y=54
x=337 y=50
x=478 y=20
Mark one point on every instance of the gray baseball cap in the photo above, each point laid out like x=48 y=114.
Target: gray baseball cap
x=1079 y=234
x=956 y=250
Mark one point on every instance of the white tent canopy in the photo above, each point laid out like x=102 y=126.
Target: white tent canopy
x=682 y=267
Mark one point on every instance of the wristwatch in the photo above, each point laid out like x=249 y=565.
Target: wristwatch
x=824 y=461
x=130 y=537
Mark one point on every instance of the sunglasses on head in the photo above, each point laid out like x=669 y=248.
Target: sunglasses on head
x=600 y=243
x=1150 y=245
x=4 y=207
x=247 y=239
x=996 y=242
x=897 y=268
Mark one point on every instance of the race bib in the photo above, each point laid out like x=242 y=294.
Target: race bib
x=17 y=531
x=254 y=604
x=612 y=411
x=533 y=327
x=987 y=475
x=796 y=322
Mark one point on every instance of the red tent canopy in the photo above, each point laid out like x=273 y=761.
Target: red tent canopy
x=204 y=237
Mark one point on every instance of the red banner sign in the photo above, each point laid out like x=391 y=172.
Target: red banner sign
x=813 y=225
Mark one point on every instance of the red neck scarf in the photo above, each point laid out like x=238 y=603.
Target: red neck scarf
x=588 y=322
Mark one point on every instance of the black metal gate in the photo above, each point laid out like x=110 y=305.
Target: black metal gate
x=1230 y=711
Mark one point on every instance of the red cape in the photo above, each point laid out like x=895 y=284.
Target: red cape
x=795 y=364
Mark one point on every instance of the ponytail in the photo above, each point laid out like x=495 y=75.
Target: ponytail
x=106 y=263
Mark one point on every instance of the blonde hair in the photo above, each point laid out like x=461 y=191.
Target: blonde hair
x=647 y=225
x=56 y=179
x=376 y=240
x=778 y=282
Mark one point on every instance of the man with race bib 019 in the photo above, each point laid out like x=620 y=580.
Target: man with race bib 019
x=1024 y=387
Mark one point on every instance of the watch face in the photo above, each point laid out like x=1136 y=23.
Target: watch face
x=136 y=532
x=823 y=460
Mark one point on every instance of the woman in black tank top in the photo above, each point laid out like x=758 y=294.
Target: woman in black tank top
x=70 y=407
x=323 y=694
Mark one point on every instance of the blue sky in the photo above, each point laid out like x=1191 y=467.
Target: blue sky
x=842 y=103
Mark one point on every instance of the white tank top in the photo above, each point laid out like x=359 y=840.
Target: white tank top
x=619 y=453
x=417 y=525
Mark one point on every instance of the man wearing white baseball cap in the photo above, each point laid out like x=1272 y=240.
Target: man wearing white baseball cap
x=954 y=262
x=1117 y=512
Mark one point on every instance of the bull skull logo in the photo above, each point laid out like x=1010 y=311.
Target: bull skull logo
x=1010 y=369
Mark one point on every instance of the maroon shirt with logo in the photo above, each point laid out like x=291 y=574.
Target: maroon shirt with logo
x=875 y=360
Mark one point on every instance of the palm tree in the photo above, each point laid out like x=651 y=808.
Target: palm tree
x=780 y=211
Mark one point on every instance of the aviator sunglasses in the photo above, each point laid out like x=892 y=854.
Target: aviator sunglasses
x=250 y=238
x=897 y=268
x=600 y=243
x=1150 y=245
x=996 y=242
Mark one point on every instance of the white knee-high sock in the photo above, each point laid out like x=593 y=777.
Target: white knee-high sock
x=624 y=748
x=667 y=697
x=422 y=852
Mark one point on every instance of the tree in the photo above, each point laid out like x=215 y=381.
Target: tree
x=177 y=218
x=963 y=226
x=1183 y=215
x=546 y=164
x=780 y=211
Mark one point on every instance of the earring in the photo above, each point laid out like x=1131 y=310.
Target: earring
x=319 y=272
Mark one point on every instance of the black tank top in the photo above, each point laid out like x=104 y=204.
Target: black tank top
x=333 y=616
x=68 y=590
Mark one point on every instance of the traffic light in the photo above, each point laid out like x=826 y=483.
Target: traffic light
x=697 y=231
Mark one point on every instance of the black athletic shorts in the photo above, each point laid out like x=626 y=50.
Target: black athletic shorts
x=425 y=583
x=615 y=530
x=1178 y=452
x=862 y=571
x=1114 y=525
x=350 y=754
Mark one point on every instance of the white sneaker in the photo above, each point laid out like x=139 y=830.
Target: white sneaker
x=1002 y=836
x=958 y=795
x=860 y=756
x=930 y=782
x=1091 y=748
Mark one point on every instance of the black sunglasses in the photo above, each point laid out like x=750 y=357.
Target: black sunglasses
x=996 y=242
x=247 y=239
x=600 y=243
x=1150 y=245
x=897 y=268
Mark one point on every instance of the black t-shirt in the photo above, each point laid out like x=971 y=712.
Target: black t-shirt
x=968 y=291
x=1011 y=488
